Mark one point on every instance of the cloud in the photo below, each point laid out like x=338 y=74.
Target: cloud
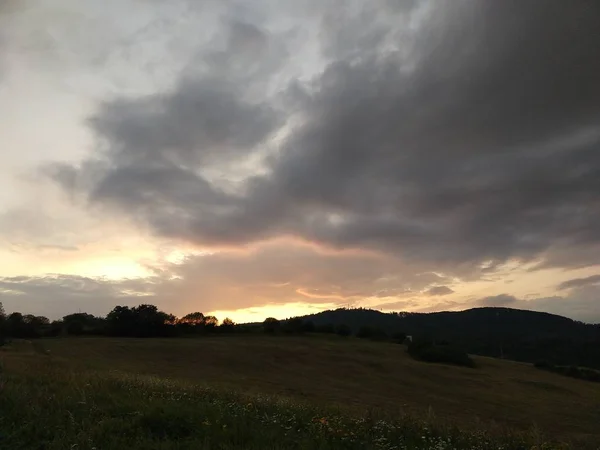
x=274 y=273
x=580 y=304
x=285 y=272
x=57 y=295
x=438 y=291
x=579 y=282
x=498 y=300
x=453 y=149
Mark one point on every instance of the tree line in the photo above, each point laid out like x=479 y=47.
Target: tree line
x=148 y=321
x=139 y=321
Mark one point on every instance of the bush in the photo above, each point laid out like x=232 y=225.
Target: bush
x=271 y=325
x=325 y=328
x=581 y=373
x=399 y=337
x=446 y=354
x=343 y=330
x=75 y=328
x=293 y=326
x=543 y=364
x=367 y=332
x=308 y=326
x=589 y=374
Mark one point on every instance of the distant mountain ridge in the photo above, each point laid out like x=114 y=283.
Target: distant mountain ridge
x=521 y=335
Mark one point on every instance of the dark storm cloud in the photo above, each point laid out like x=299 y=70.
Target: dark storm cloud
x=438 y=291
x=200 y=120
x=476 y=140
x=482 y=152
x=212 y=114
x=580 y=282
x=498 y=300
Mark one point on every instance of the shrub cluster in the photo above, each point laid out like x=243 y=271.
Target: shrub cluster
x=446 y=354
x=582 y=373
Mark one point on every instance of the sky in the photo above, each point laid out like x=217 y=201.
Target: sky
x=267 y=158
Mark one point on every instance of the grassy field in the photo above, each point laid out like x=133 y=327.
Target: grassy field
x=280 y=392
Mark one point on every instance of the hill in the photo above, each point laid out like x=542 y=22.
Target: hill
x=498 y=332
x=256 y=391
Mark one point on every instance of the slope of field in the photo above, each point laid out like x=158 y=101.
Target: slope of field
x=353 y=374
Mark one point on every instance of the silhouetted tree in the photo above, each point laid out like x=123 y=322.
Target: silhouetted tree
x=194 y=319
x=271 y=325
x=149 y=321
x=211 y=323
x=2 y=325
x=74 y=328
x=368 y=332
x=142 y=321
x=399 y=337
x=29 y=326
x=15 y=325
x=83 y=323
x=308 y=326
x=56 y=328
x=325 y=328
x=343 y=330
x=192 y=323
x=293 y=325
x=121 y=321
x=227 y=326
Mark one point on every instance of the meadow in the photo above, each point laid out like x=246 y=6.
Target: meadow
x=266 y=392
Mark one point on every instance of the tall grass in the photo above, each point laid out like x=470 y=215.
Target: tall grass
x=46 y=404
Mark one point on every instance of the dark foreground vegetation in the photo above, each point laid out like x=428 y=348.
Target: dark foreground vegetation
x=582 y=373
x=257 y=392
x=439 y=353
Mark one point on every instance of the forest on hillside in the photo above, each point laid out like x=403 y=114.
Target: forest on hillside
x=519 y=335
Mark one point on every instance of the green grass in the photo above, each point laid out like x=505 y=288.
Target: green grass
x=278 y=393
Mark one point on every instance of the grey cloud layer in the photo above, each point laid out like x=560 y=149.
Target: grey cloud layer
x=57 y=295
x=498 y=300
x=580 y=282
x=579 y=304
x=475 y=140
x=439 y=290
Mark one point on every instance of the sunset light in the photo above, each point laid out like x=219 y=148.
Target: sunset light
x=299 y=225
